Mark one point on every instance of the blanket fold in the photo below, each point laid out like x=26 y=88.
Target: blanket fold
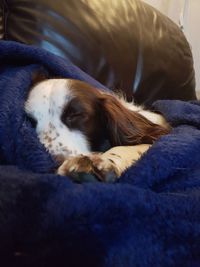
x=149 y=217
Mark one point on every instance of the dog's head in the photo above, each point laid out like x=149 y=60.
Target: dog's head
x=67 y=116
x=73 y=118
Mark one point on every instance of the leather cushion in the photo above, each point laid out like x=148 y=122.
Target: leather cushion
x=123 y=44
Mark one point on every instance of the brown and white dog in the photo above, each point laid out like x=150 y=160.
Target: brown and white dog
x=73 y=120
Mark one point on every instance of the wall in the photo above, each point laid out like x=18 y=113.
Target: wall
x=187 y=14
x=172 y=8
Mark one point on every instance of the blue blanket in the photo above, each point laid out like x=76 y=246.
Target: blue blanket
x=150 y=217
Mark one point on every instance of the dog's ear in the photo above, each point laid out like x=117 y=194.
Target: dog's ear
x=126 y=127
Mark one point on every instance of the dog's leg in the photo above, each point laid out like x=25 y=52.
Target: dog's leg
x=105 y=166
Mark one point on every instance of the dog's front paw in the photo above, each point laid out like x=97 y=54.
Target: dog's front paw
x=111 y=164
x=105 y=167
x=76 y=164
x=84 y=167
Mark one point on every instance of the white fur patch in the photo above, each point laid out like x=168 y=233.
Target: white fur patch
x=45 y=104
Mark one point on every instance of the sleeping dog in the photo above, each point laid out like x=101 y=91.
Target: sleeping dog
x=73 y=120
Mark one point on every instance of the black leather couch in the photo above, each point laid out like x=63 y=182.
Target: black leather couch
x=123 y=44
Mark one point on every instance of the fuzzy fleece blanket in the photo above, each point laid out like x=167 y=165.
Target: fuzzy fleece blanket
x=150 y=217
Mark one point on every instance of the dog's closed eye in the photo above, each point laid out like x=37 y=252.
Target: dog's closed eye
x=70 y=116
x=71 y=119
x=73 y=114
